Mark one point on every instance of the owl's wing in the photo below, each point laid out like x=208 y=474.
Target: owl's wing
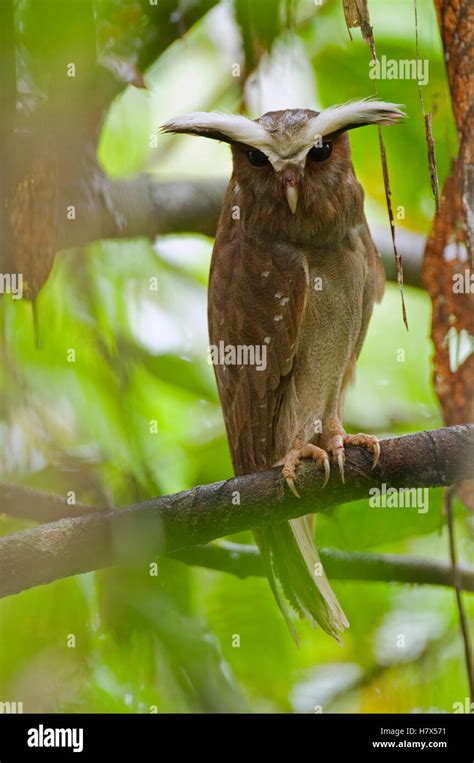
x=257 y=298
x=376 y=280
x=256 y=301
x=374 y=285
x=375 y=258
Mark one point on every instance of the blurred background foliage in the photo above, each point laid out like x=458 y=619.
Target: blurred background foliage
x=137 y=415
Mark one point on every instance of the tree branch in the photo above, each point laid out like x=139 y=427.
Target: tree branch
x=245 y=561
x=24 y=503
x=141 y=206
x=162 y=525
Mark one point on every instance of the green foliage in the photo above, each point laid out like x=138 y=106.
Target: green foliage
x=260 y=23
x=119 y=403
x=407 y=154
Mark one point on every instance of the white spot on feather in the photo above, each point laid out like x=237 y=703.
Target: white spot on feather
x=455 y=250
x=460 y=347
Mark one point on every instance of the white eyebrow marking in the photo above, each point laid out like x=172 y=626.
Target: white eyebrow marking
x=237 y=128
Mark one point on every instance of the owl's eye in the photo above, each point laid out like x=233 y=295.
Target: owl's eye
x=320 y=153
x=257 y=158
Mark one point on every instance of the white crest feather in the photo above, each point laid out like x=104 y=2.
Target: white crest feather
x=353 y=114
x=281 y=146
x=233 y=127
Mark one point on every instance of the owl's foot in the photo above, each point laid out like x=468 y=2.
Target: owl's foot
x=293 y=458
x=368 y=441
x=336 y=439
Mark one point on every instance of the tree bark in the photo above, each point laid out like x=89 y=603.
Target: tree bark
x=142 y=206
x=140 y=532
x=245 y=561
x=447 y=266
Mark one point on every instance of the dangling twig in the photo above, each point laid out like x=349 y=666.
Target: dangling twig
x=428 y=131
x=448 y=508
x=356 y=13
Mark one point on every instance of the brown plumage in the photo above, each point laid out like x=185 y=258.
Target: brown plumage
x=294 y=270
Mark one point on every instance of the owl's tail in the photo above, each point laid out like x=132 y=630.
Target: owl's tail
x=293 y=567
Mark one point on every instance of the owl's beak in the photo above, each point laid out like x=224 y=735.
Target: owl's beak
x=290 y=184
x=292 y=197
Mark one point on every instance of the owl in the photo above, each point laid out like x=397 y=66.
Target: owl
x=294 y=277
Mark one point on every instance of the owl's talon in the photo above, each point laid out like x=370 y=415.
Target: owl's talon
x=327 y=471
x=340 y=462
x=293 y=458
x=376 y=454
x=368 y=441
x=291 y=484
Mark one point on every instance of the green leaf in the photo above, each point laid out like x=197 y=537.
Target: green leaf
x=259 y=22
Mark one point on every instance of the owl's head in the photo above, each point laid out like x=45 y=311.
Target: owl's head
x=295 y=153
